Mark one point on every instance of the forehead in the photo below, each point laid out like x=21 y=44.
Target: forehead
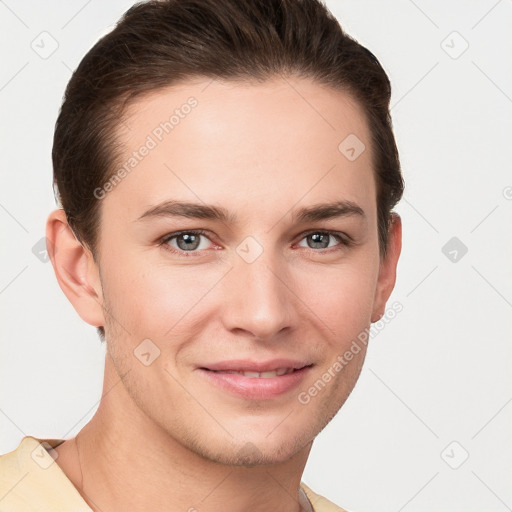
x=271 y=142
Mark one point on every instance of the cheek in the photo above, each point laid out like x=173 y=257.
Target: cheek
x=155 y=299
x=342 y=297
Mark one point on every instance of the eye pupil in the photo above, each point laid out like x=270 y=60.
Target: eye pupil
x=318 y=240
x=188 y=242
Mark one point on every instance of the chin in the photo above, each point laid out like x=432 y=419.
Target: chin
x=255 y=450
x=249 y=454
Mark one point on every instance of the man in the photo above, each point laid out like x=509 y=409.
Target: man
x=227 y=173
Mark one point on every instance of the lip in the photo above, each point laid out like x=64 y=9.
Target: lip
x=247 y=365
x=255 y=388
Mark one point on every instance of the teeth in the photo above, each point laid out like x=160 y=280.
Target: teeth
x=267 y=375
x=251 y=375
x=261 y=375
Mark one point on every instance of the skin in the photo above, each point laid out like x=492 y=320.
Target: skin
x=163 y=438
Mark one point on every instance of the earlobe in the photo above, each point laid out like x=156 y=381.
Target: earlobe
x=387 y=272
x=76 y=271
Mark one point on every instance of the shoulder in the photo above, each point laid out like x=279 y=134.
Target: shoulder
x=30 y=479
x=320 y=504
x=13 y=467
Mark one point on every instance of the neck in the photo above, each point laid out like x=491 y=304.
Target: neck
x=127 y=462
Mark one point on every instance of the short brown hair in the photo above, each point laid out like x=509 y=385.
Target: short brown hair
x=159 y=43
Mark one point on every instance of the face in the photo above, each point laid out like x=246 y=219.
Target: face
x=239 y=261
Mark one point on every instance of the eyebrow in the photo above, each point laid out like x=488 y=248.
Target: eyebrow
x=312 y=213
x=189 y=210
x=326 y=211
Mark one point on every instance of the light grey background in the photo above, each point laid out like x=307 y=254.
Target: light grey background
x=437 y=382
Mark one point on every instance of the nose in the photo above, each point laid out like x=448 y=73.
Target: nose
x=258 y=299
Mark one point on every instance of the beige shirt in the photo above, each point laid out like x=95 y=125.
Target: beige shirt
x=31 y=481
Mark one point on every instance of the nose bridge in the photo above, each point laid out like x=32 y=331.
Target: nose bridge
x=258 y=300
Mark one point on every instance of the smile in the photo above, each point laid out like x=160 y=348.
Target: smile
x=258 y=375
x=252 y=380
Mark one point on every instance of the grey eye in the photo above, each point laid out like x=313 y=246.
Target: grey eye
x=188 y=241
x=319 y=240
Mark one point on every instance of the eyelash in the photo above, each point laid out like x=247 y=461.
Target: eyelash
x=187 y=254
x=343 y=241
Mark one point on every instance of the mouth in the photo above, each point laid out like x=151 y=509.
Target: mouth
x=256 y=380
x=257 y=375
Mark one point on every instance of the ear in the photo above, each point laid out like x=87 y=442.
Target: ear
x=76 y=271
x=387 y=270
